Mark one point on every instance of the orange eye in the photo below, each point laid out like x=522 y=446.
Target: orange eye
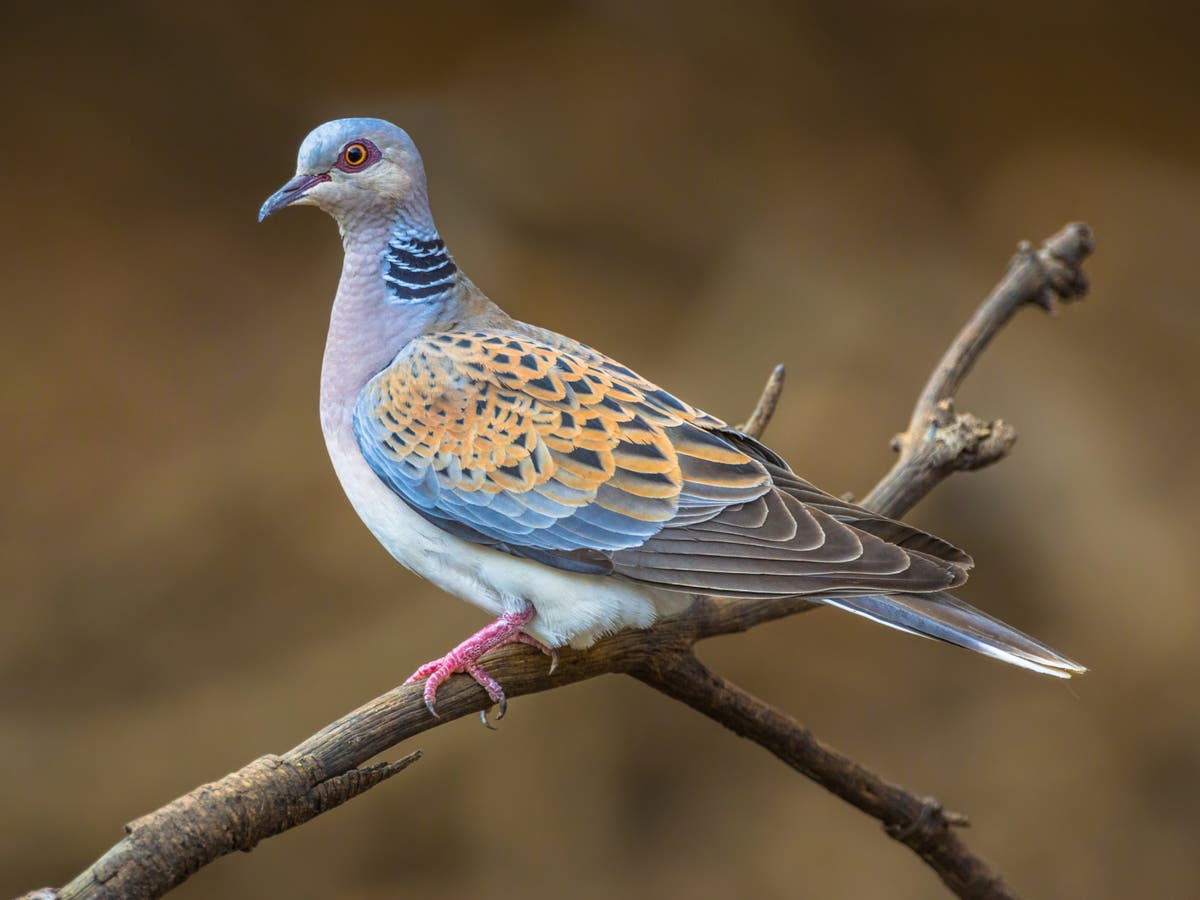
x=355 y=155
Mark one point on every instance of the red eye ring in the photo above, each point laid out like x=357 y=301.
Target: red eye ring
x=355 y=155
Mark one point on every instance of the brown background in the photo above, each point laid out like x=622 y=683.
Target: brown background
x=702 y=193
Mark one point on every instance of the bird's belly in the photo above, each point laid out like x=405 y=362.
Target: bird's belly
x=571 y=608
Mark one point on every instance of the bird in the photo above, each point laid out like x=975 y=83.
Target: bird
x=549 y=484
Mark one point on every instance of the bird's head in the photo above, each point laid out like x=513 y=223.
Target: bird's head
x=350 y=167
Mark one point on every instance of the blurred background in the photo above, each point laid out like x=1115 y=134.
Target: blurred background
x=702 y=191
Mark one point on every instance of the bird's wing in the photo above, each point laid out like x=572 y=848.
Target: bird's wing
x=556 y=453
x=890 y=530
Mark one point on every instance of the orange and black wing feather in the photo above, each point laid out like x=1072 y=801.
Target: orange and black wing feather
x=551 y=451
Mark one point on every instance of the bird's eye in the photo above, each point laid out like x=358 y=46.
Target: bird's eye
x=355 y=155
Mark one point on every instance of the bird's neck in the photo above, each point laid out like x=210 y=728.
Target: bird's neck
x=397 y=283
x=417 y=268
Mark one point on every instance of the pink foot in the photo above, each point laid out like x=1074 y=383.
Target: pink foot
x=465 y=658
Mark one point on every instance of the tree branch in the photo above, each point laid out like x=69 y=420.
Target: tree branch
x=938 y=440
x=274 y=794
x=764 y=409
x=920 y=824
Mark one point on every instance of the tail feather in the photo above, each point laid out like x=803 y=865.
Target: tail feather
x=944 y=617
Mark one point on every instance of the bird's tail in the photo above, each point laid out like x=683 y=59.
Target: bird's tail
x=946 y=618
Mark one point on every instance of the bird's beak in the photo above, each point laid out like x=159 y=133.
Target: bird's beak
x=290 y=193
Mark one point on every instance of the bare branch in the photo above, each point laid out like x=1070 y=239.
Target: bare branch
x=939 y=441
x=273 y=794
x=265 y=798
x=764 y=410
x=920 y=824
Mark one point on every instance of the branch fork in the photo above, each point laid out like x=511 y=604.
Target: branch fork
x=939 y=440
x=275 y=793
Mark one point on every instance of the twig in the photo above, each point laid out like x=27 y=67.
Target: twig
x=938 y=440
x=764 y=409
x=274 y=794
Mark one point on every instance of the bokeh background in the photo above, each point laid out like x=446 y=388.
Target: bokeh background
x=702 y=191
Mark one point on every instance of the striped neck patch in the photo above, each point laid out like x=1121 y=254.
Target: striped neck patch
x=417 y=268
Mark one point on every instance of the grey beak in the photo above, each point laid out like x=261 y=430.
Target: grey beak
x=290 y=193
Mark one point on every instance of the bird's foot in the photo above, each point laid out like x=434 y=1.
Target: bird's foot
x=465 y=658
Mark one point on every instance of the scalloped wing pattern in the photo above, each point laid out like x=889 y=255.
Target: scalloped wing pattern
x=560 y=455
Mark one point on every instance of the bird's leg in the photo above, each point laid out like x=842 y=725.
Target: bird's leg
x=465 y=658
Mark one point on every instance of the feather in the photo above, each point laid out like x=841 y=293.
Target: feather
x=945 y=618
x=537 y=450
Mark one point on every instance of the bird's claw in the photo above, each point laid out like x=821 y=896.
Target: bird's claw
x=483 y=713
x=437 y=671
x=551 y=652
x=465 y=658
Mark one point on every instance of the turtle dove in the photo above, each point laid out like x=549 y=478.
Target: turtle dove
x=551 y=485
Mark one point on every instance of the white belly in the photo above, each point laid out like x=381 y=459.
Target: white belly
x=571 y=608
